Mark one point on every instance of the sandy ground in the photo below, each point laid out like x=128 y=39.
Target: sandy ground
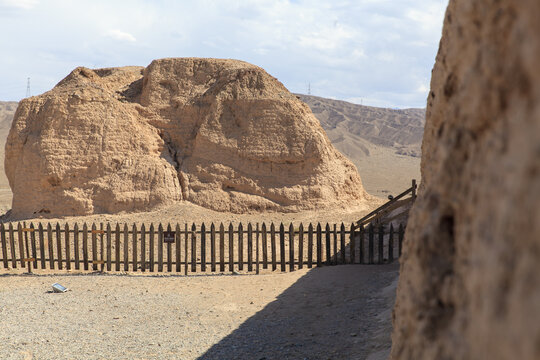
x=187 y=212
x=340 y=312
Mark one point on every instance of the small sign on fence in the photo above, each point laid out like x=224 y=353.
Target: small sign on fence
x=168 y=236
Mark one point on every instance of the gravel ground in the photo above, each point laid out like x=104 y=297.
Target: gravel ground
x=340 y=312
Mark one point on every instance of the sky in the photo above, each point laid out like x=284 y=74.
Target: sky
x=370 y=52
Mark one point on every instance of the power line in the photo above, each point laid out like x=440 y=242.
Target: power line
x=28 y=88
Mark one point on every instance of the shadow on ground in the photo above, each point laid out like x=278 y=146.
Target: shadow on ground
x=334 y=312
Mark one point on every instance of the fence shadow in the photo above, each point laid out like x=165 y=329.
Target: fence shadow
x=341 y=312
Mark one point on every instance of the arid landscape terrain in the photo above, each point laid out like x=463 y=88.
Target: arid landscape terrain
x=193 y=140
x=384 y=144
x=7 y=110
x=224 y=311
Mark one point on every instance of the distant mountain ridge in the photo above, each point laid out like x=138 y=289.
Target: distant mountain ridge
x=7 y=111
x=399 y=129
x=384 y=144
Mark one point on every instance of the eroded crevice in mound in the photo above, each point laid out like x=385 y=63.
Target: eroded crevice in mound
x=170 y=154
x=132 y=93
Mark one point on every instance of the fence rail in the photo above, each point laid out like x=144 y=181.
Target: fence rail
x=191 y=249
x=376 y=215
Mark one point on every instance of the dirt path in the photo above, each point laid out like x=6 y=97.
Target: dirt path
x=341 y=312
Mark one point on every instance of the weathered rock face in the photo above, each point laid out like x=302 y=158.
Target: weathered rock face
x=470 y=275
x=219 y=133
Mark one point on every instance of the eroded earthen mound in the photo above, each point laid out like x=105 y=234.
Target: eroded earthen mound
x=470 y=276
x=222 y=134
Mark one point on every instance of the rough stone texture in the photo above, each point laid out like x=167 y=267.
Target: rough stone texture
x=470 y=275
x=219 y=133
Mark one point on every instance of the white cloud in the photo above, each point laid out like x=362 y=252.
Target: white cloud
x=121 y=35
x=381 y=51
x=423 y=88
x=19 y=4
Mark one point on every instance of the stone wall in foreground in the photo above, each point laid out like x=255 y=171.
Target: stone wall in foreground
x=470 y=274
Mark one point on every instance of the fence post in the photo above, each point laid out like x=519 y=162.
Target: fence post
x=221 y=247
x=101 y=246
x=342 y=245
x=186 y=250
x=401 y=233
x=381 y=244
x=264 y=247
x=178 y=248
x=250 y=247
x=12 y=246
x=160 y=248
x=391 y=245
x=68 y=251
x=193 y=248
x=370 y=244
x=352 y=243
x=4 y=245
x=76 y=245
x=213 y=247
x=85 y=244
x=335 y=256
x=203 y=247
x=282 y=246
x=109 y=247
x=273 y=243
x=319 y=245
x=58 y=246
x=41 y=245
x=361 y=252
x=310 y=246
x=327 y=235
x=21 y=245
x=231 y=247
x=257 y=248
x=240 y=247
x=291 y=247
x=117 y=247
x=301 y=246
x=27 y=245
x=33 y=241
x=94 y=248
x=126 y=248
x=169 y=250
x=134 y=239
x=143 y=248
x=152 y=246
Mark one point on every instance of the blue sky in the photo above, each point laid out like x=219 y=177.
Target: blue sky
x=374 y=52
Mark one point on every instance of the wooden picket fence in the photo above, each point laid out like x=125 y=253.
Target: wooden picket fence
x=192 y=249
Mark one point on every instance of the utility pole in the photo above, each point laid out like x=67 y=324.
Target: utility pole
x=309 y=89
x=28 y=88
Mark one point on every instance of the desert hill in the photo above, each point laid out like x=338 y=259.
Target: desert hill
x=384 y=144
x=7 y=111
x=399 y=129
x=221 y=134
x=355 y=130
